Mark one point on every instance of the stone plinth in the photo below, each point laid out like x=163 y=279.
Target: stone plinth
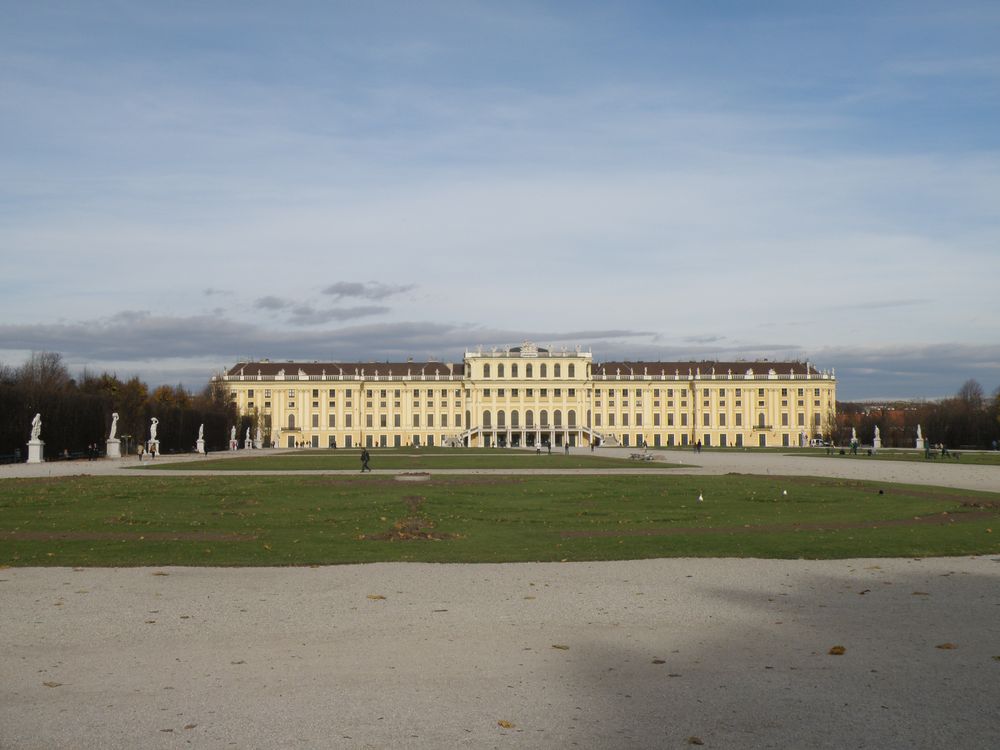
x=114 y=448
x=200 y=446
x=153 y=447
x=258 y=444
x=36 y=451
x=877 y=444
x=921 y=444
x=247 y=444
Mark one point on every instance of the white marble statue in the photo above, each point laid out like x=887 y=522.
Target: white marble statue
x=920 y=435
x=152 y=429
x=201 y=432
x=878 y=435
x=114 y=425
x=36 y=427
x=248 y=434
x=854 y=435
x=258 y=436
x=232 y=434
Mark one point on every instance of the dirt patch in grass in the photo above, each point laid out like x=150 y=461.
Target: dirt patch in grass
x=413 y=528
x=939 y=519
x=116 y=536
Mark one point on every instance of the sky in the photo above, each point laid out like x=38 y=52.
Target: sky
x=187 y=185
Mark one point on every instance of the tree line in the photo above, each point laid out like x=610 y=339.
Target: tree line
x=76 y=412
x=969 y=419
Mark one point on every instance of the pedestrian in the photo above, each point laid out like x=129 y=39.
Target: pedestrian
x=567 y=449
x=140 y=451
x=365 y=458
x=548 y=444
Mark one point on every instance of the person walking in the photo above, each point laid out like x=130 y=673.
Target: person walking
x=365 y=458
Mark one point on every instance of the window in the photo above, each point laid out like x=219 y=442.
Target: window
x=597 y=420
x=705 y=392
x=638 y=420
x=250 y=393
x=444 y=420
x=416 y=393
x=544 y=393
x=430 y=420
x=513 y=392
x=530 y=392
x=291 y=421
x=501 y=419
x=486 y=371
x=684 y=420
x=291 y=393
x=527 y=371
x=487 y=421
x=383 y=420
x=368 y=393
x=611 y=420
x=543 y=371
x=556 y=371
x=332 y=420
x=571 y=370
x=670 y=420
x=348 y=420
x=416 y=420
x=486 y=392
x=500 y=370
x=315 y=392
x=368 y=420
x=315 y=420
x=739 y=420
x=722 y=420
x=656 y=420
x=513 y=371
x=706 y=419
x=557 y=392
x=572 y=392
x=670 y=392
x=501 y=392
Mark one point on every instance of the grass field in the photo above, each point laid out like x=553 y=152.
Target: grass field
x=412 y=460
x=296 y=520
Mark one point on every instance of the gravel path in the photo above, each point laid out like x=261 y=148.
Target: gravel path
x=632 y=654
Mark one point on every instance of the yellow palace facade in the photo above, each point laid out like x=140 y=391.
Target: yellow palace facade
x=533 y=396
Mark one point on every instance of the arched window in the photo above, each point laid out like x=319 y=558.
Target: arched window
x=527 y=371
x=557 y=371
x=468 y=419
x=529 y=417
x=543 y=371
x=487 y=422
x=571 y=371
x=501 y=419
x=543 y=418
x=291 y=421
x=571 y=418
x=557 y=418
x=513 y=371
x=500 y=370
x=514 y=421
x=588 y=418
x=760 y=421
x=486 y=371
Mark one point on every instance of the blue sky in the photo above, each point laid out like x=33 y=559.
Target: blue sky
x=188 y=184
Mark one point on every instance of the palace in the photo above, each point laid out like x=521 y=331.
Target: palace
x=531 y=396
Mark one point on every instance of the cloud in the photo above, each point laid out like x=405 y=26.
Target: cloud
x=271 y=302
x=308 y=315
x=367 y=290
x=211 y=291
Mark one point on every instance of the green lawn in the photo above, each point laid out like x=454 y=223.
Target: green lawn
x=298 y=520
x=409 y=459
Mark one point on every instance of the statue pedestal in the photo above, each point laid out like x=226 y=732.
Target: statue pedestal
x=200 y=446
x=258 y=444
x=114 y=448
x=921 y=444
x=247 y=445
x=153 y=446
x=36 y=451
x=877 y=444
